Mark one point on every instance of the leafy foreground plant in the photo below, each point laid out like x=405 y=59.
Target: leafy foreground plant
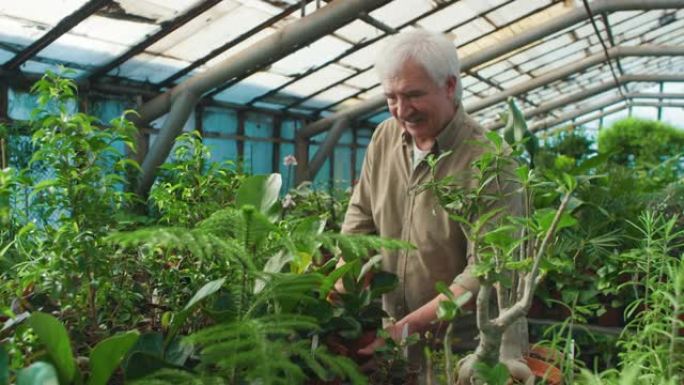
x=271 y=309
x=507 y=250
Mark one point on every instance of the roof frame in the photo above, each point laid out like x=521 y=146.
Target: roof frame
x=550 y=123
x=166 y=29
x=181 y=99
x=228 y=45
x=592 y=91
x=481 y=14
x=388 y=30
x=64 y=26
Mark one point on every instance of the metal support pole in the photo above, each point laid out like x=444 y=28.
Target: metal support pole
x=240 y=144
x=173 y=126
x=302 y=156
x=327 y=147
x=265 y=51
x=275 y=162
x=660 y=108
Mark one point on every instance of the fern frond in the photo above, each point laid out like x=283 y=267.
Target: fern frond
x=178 y=377
x=258 y=349
x=360 y=246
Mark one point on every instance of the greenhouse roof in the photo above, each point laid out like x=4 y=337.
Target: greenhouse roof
x=607 y=56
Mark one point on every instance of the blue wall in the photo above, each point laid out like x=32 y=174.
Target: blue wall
x=221 y=126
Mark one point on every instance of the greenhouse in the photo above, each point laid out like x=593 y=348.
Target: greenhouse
x=314 y=192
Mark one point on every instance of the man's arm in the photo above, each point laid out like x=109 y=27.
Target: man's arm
x=419 y=321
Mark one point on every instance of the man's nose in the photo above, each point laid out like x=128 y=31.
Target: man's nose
x=404 y=108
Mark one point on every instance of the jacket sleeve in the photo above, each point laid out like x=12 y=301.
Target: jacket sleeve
x=359 y=216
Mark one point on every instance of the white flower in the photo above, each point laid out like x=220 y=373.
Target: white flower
x=290 y=160
x=288 y=201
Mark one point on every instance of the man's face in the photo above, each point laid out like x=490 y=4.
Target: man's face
x=421 y=106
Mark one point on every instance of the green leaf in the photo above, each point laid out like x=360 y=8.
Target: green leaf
x=383 y=282
x=178 y=352
x=4 y=366
x=179 y=318
x=141 y=364
x=374 y=260
x=497 y=375
x=150 y=343
x=39 y=373
x=54 y=336
x=206 y=290
x=260 y=191
x=446 y=311
x=108 y=354
x=494 y=137
x=336 y=274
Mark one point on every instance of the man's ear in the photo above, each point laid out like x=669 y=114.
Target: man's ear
x=451 y=86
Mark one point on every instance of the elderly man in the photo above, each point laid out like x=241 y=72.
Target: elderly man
x=419 y=71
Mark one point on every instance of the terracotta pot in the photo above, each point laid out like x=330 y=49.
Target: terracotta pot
x=544 y=370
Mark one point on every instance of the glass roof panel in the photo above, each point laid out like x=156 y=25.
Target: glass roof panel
x=398 y=12
x=318 y=80
x=471 y=31
x=122 y=32
x=16 y=33
x=330 y=96
x=450 y=16
x=241 y=46
x=515 y=10
x=149 y=68
x=220 y=24
x=358 y=31
x=317 y=53
x=364 y=79
x=158 y=10
x=48 y=13
x=82 y=50
x=364 y=57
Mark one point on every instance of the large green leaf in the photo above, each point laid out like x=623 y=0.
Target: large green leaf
x=39 y=373
x=141 y=364
x=4 y=366
x=206 y=290
x=180 y=317
x=260 y=191
x=54 y=336
x=108 y=354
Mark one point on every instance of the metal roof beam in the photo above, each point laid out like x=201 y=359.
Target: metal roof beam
x=166 y=29
x=225 y=47
x=181 y=99
x=565 y=71
x=344 y=54
x=612 y=111
x=518 y=41
x=64 y=26
x=548 y=123
x=589 y=92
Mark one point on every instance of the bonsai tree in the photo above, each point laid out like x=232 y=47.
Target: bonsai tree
x=508 y=250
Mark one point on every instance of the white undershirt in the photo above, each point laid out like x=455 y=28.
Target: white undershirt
x=418 y=155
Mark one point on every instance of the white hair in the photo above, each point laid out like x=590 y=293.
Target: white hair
x=433 y=51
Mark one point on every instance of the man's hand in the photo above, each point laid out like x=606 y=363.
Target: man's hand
x=395 y=331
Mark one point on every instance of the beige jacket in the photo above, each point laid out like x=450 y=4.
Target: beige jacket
x=387 y=201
